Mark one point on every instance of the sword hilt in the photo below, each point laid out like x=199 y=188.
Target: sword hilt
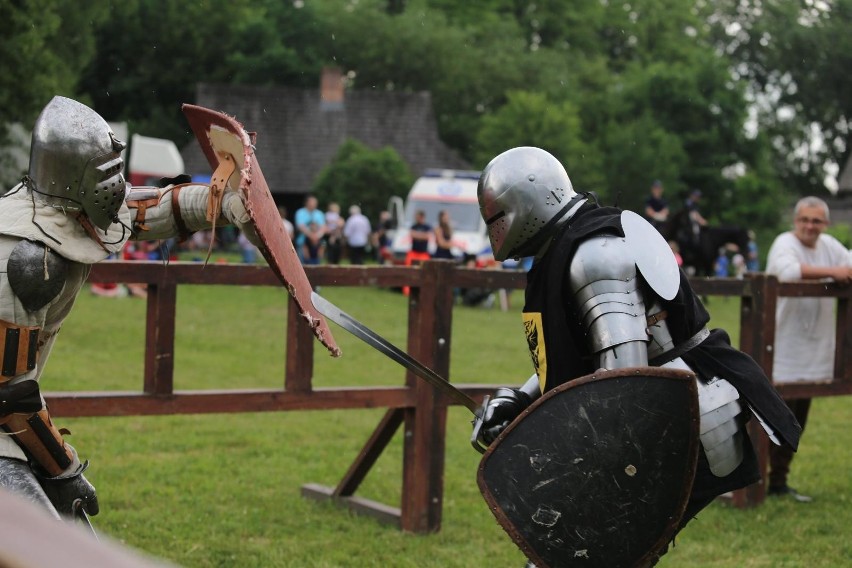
x=475 y=438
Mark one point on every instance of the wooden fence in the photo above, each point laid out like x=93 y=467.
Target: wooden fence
x=415 y=406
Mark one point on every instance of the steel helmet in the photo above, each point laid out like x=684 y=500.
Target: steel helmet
x=522 y=193
x=75 y=161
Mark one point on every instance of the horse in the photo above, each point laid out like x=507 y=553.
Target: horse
x=699 y=252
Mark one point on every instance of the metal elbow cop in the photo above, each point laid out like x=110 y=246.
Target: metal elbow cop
x=75 y=162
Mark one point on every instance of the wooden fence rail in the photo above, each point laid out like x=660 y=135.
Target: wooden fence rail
x=414 y=406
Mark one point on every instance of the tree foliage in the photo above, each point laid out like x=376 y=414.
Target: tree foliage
x=361 y=176
x=623 y=93
x=44 y=47
x=796 y=56
x=531 y=119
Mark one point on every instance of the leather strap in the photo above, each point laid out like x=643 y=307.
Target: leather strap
x=19 y=349
x=679 y=350
x=142 y=206
x=654 y=319
x=218 y=181
x=183 y=232
x=41 y=440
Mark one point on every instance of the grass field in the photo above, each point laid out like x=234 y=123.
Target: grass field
x=224 y=490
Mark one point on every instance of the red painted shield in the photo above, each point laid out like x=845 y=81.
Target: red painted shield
x=218 y=133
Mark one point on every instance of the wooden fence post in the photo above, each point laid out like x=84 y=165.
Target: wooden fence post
x=430 y=323
x=299 y=367
x=160 y=335
x=757 y=338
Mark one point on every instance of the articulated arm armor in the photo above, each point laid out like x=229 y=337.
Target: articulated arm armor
x=604 y=283
x=627 y=328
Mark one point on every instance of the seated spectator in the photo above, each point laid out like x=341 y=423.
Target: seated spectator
x=313 y=249
x=333 y=233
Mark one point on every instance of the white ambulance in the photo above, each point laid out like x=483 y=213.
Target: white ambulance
x=453 y=191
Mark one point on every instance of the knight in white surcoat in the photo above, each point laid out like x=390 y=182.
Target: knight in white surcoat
x=72 y=209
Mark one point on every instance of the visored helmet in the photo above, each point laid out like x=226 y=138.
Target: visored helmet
x=522 y=193
x=75 y=161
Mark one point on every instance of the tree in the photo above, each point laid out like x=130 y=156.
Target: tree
x=797 y=57
x=152 y=53
x=531 y=119
x=360 y=176
x=43 y=46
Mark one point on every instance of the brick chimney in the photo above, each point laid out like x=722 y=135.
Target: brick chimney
x=331 y=88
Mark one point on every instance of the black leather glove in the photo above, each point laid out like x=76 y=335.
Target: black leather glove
x=506 y=405
x=70 y=490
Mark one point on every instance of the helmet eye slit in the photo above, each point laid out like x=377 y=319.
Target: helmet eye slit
x=495 y=218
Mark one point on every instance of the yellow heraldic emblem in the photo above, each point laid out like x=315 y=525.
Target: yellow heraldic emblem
x=535 y=340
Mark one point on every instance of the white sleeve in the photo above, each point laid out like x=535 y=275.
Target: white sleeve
x=783 y=261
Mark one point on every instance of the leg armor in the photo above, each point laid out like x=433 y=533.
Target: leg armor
x=41 y=441
x=17 y=477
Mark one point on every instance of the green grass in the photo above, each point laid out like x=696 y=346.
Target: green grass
x=223 y=489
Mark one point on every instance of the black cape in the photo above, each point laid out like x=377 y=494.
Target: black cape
x=546 y=294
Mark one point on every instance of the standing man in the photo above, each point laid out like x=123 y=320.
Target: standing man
x=600 y=296
x=656 y=207
x=310 y=226
x=804 y=327
x=72 y=209
x=381 y=237
x=357 y=232
x=692 y=205
x=420 y=233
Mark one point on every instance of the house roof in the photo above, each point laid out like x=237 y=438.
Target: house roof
x=298 y=133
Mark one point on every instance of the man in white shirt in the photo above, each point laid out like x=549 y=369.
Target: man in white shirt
x=357 y=232
x=805 y=327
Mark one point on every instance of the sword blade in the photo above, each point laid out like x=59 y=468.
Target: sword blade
x=83 y=517
x=384 y=346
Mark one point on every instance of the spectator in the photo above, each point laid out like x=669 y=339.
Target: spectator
x=357 y=232
x=738 y=264
x=310 y=226
x=656 y=207
x=138 y=250
x=752 y=260
x=248 y=251
x=805 y=327
x=676 y=250
x=692 y=205
x=333 y=233
x=420 y=234
x=288 y=226
x=443 y=237
x=381 y=238
x=722 y=264
x=312 y=249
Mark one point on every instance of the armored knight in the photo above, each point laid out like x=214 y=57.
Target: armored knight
x=605 y=292
x=73 y=209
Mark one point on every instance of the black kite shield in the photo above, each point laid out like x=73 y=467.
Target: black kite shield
x=598 y=471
